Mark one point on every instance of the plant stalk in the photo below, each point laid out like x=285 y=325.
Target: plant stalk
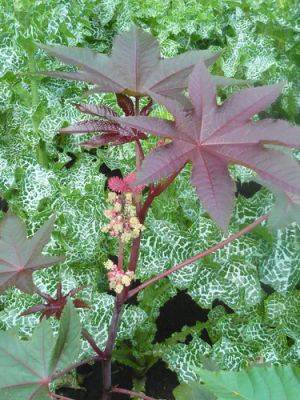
x=191 y=260
x=112 y=335
x=131 y=393
x=93 y=344
x=142 y=210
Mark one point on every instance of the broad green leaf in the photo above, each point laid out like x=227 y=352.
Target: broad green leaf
x=192 y=391
x=281 y=268
x=283 y=310
x=278 y=263
x=286 y=209
x=235 y=282
x=67 y=346
x=257 y=383
x=27 y=367
x=97 y=320
x=246 y=336
x=154 y=297
x=232 y=354
x=183 y=358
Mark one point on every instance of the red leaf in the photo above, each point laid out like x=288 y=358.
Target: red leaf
x=19 y=256
x=116 y=134
x=213 y=137
x=78 y=303
x=33 y=310
x=93 y=126
x=147 y=108
x=114 y=139
x=100 y=110
x=125 y=103
x=214 y=186
x=135 y=66
x=286 y=209
x=54 y=306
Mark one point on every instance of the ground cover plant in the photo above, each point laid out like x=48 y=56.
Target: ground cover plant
x=264 y=326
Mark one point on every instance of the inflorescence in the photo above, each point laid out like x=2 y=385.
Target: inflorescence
x=118 y=279
x=124 y=224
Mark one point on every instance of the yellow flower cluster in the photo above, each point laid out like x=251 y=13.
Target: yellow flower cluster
x=118 y=279
x=123 y=220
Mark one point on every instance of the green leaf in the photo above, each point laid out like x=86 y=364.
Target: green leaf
x=27 y=44
x=283 y=310
x=192 y=391
x=235 y=282
x=97 y=320
x=41 y=154
x=257 y=383
x=232 y=354
x=24 y=366
x=68 y=342
x=243 y=338
x=27 y=367
x=183 y=358
x=281 y=268
x=286 y=208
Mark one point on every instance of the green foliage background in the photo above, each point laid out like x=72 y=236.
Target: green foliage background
x=260 y=41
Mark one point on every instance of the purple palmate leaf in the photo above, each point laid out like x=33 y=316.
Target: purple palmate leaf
x=54 y=306
x=105 y=123
x=112 y=132
x=95 y=125
x=213 y=137
x=135 y=66
x=19 y=256
x=112 y=139
x=98 y=110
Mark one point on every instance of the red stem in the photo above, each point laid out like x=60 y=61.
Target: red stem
x=131 y=393
x=139 y=152
x=112 y=335
x=154 y=192
x=121 y=255
x=93 y=344
x=122 y=297
x=198 y=256
x=45 y=296
x=134 y=254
